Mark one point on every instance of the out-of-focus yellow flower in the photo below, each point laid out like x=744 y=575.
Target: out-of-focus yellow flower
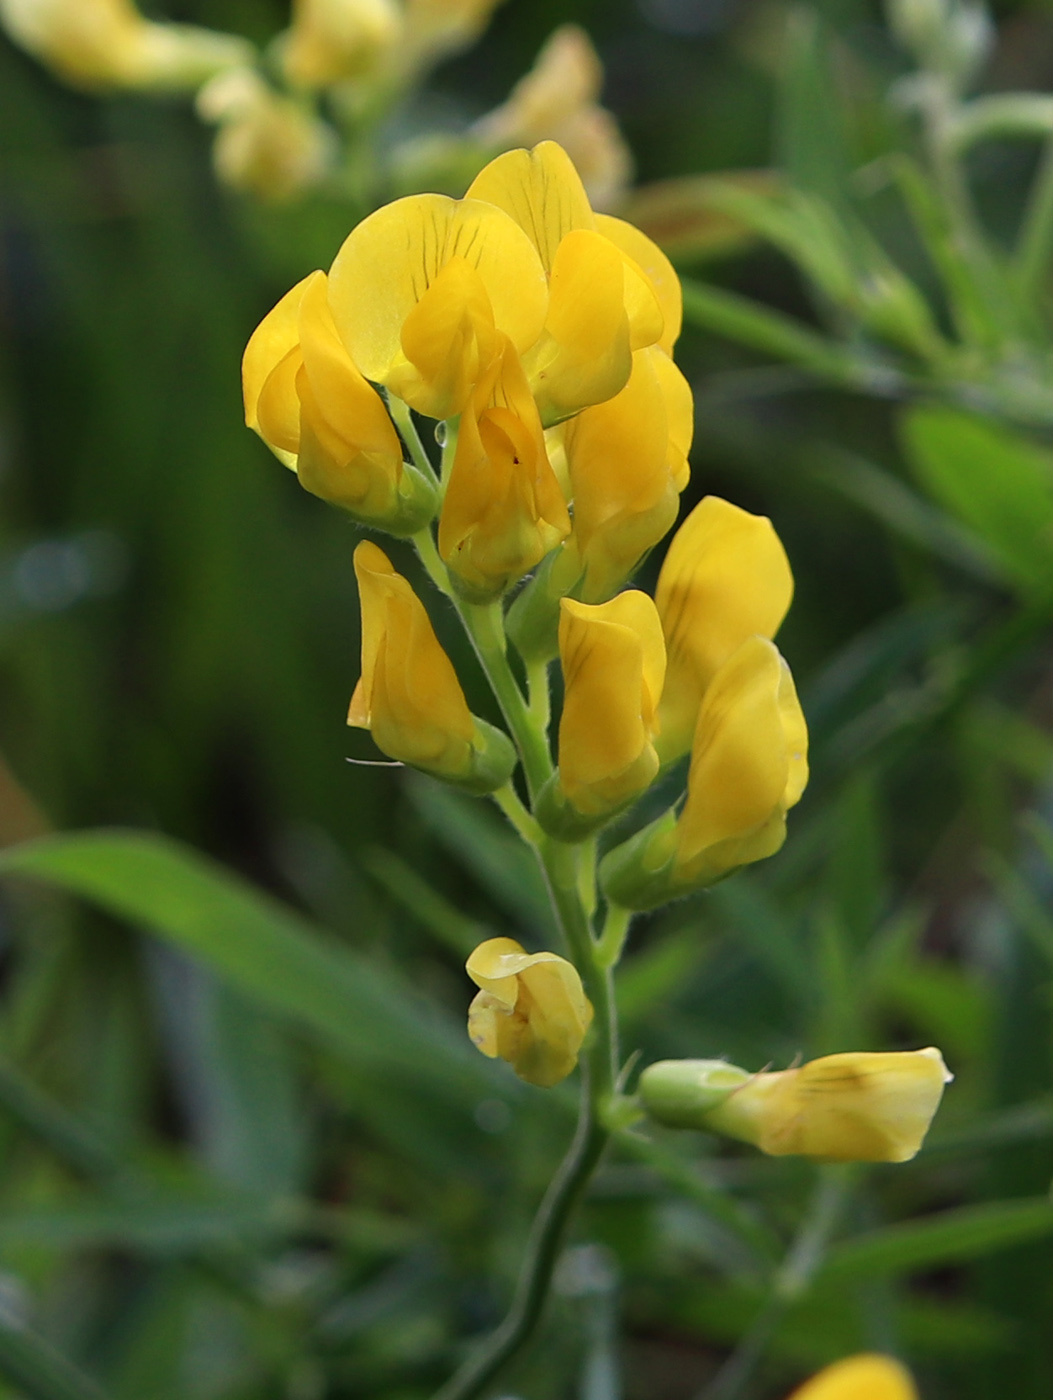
x=627 y=464
x=330 y=40
x=308 y=402
x=531 y=1010
x=107 y=43
x=749 y=766
x=856 y=1107
x=421 y=288
x=436 y=27
x=267 y=145
x=503 y=510
x=601 y=305
x=557 y=100
x=864 y=1377
x=725 y=578
x=613 y=659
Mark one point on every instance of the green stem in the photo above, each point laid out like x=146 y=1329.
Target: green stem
x=546 y=1239
x=485 y=624
x=540 y=696
x=403 y=419
x=615 y=931
x=429 y=557
x=508 y=800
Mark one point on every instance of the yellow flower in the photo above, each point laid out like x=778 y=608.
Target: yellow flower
x=435 y=27
x=725 y=578
x=601 y=304
x=856 y=1107
x=312 y=407
x=613 y=659
x=266 y=144
x=531 y=1010
x=503 y=510
x=749 y=766
x=557 y=100
x=864 y=1377
x=335 y=39
x=108 y=43
x=409 y=697
x=627 y=464
x=421 y=290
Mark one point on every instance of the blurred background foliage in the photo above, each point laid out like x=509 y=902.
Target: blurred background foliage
x=243 y=1158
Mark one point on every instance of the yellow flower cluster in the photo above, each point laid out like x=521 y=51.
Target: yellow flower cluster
x=868 y=1376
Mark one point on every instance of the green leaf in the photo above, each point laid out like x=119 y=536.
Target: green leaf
x=952 y=1237
x=37 y=1370
x=996 y=482
x=364 y=1012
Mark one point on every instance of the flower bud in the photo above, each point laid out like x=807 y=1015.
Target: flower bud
x=309 y=403
x=503 y=510
x=421 y=290
x=613 y=660
x=725 y=578
x=531 y=1010
x=855 y=1107
x=107 y=43
x=864 y=1377
x=267 y=145
x=627 y=462
x=748 y=768
x=331 y=40
x=409 y=697
x=435 y=27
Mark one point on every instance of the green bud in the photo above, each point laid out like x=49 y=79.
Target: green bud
x=639 y=873
x=682 y=1093
x=493 y=760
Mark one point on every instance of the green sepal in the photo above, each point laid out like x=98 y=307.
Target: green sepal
x=560 y=819
x=533 y=619
x=493 y=761
x=683 y=1093
x=638 y=874
x=416 y=505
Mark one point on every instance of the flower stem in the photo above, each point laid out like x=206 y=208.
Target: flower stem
x=546 y=1238
x=403 y=419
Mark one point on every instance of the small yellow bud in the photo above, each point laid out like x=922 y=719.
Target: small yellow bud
x=613 y=660
x=503 y=510
x=864 y=1377
x=725 y=578
x=749 y=766
x=531 y=1010
x=421 y=287
x=107 y=43
x=627 y=463
x=309 y=403
x=855 y=1107
x=335 y=39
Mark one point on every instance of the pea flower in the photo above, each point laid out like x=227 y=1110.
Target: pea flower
x=627 y=464
x=266 y=144
x=531 y=1010
x=421 y=289
x=867 y=1376
x=309 y=403
x=503 y=510
x=725 y=578
x=558 y=100
x=613 y=660
x=409 y=697
x=108 y=43
x=331 y=40
x=601 y=305
x=855 y=1107
x=748 y=768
